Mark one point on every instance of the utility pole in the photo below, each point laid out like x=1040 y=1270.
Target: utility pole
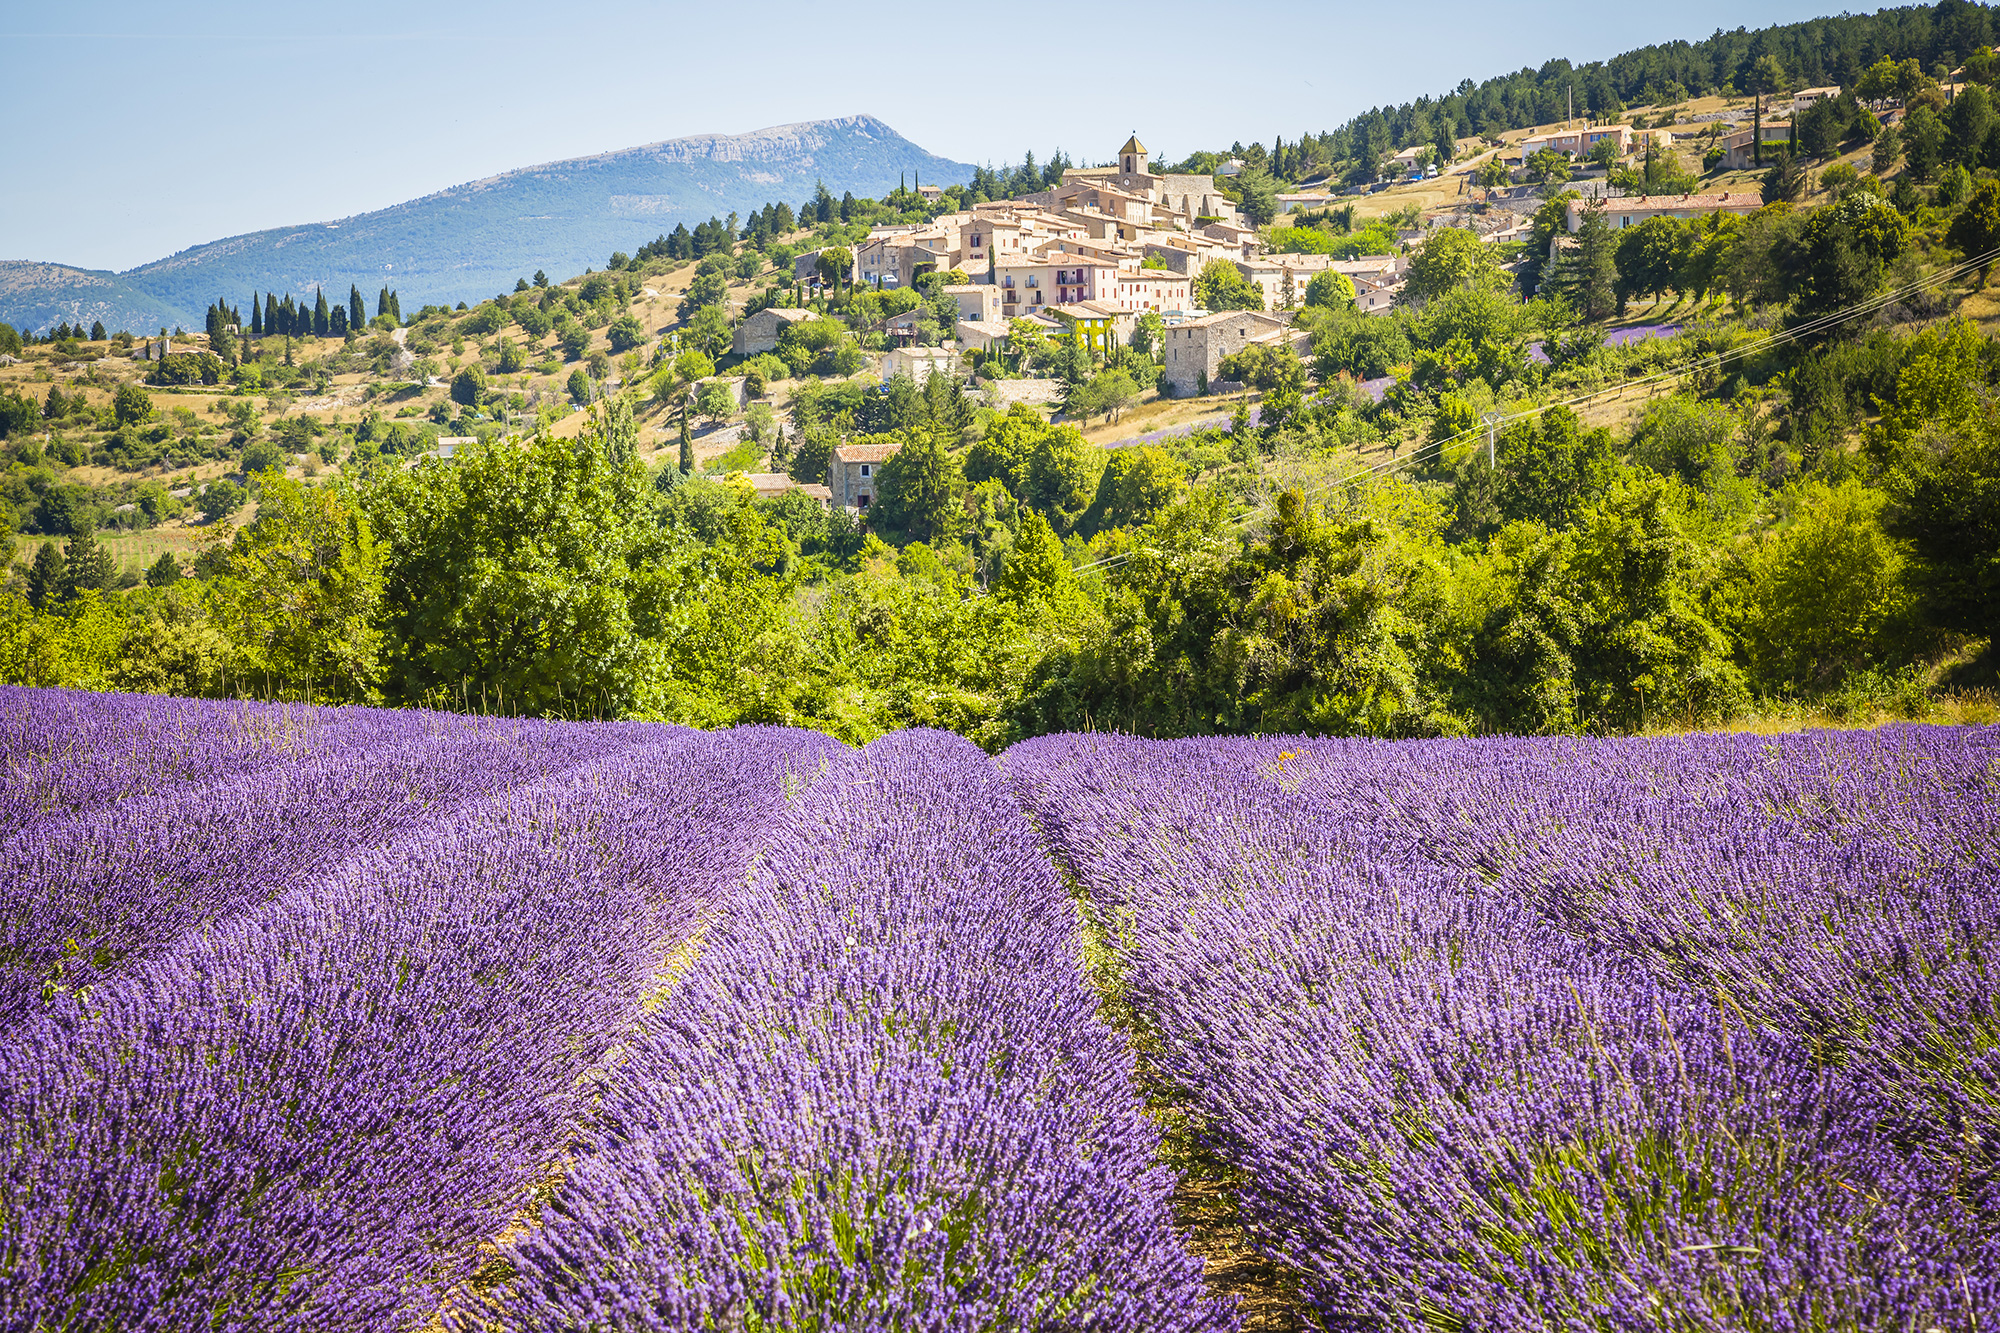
x=1492 y=420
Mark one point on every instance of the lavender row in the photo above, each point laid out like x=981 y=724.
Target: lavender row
x=883 y=1098
x=1843 y=889
x=1445 y=1111
x=67 y=752
x=89 y=894
x=320 y=1115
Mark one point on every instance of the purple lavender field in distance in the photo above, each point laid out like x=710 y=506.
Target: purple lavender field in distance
x=331 y=1018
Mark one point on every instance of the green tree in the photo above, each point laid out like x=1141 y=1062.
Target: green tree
x=1924 y=142
x=467 y=385
x=1451 y=257
x=1036 y=568
x=86 y=566
x=1968 y=123
x=707 y=331
x=300 y=589
x=164 y=571
x=1330 y=289
x=1257 y=196
x=1587 y=272
x=1221 y=286
x=1105 y=394
x=219 y=499
x=130 y=405
x=1552 y=468
x=922 y=491
x=716 y=401
x=1652 y=257
x=1136 y=484
x=1827 y=592
x=1975 y=231
x=708 y=289
x=1548 y=167
x=626 y=333
x=521 y=576
x=45 y=576
x=1841 y=253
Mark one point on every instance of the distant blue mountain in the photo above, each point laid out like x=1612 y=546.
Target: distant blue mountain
x=472 y=241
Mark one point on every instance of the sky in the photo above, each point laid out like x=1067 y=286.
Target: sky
x=139 y=129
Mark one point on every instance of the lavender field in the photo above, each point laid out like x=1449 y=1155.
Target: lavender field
x=318 y=1018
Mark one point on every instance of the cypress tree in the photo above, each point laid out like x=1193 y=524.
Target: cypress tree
x=395 y=307
x=687 y=443
x=322 y=319
x=336 y=326
x=45 y=577
x=382 y=302
x=357 y=309
x=256 y=317
x=270 y=315
x=211 y=321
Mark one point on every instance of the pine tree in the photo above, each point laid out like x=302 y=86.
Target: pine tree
x=86 y=565
x=357 y=309
x=45 y=576
x=163 y=571
x=256 y=317
x=322 y=319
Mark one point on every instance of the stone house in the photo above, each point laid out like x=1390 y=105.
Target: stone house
x=759 y=332
x=852 y=473
x=1194 y=350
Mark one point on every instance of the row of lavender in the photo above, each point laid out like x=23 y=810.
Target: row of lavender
x=883 y=1098
x=1606 y=1034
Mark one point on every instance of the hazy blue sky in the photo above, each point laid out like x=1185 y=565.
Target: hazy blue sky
x=137 y=129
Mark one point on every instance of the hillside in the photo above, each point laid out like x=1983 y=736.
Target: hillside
x=467 y=242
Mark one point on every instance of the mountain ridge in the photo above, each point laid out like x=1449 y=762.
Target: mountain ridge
x=466 y=241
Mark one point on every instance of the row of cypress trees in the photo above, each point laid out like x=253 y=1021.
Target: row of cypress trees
x=272 y=316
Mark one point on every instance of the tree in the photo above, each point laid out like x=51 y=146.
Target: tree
x=1104 y=394
x=164 y=571
x=626 y=333
x=1968 y=122
x=1548 y=167
x=579 y=387
x=1827 y=593
x=130 y=405
x=525 y=575
x=322 y=317
x=1924 y=142
x=1786 y=181
x=709 y=288
x=357 y=309
x=1587 y=273
x=45 y=577
x=1136 y=484
x=467 y=385
x=1552 y=468
x=835 y=265
x=1036 y=568
x=1975 y=232
x=300 y=588
x=97 y=331
x=86 y=566
x=707 y=332
x=1451 y=257
x=1841 y=254
x=1221 y=286
x=715 y=401
x=1888 y=147
x=1257 y=196
x=1330 y=289
x=1604 y=153
x=219 y=499
x=1492 y=172
x=921 y=491
x=1652 y=256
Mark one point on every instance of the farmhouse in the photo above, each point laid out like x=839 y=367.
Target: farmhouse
x=1622 y=213
x=759 y=332
x=851 y=473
